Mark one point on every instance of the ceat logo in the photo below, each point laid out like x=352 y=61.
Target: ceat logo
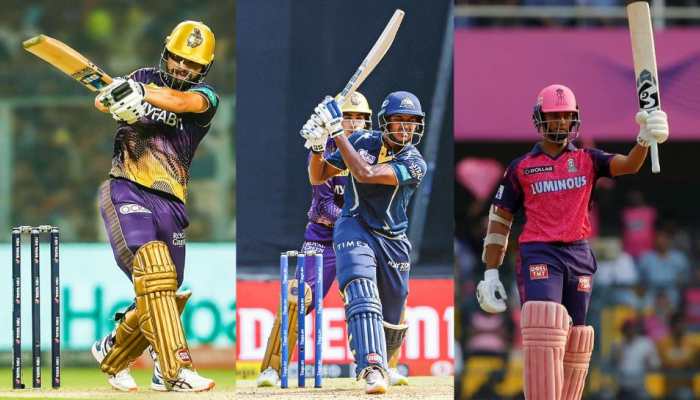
x=374 y=358
x=539 y=271
x=584 y=284
x=184 y=355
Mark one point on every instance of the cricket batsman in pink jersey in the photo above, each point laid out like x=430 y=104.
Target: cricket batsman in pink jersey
x=552 y=184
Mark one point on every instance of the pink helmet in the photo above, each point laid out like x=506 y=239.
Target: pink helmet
x=556 y=98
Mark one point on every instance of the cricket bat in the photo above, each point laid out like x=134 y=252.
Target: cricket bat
x=375 y=55
x=72 y=63
x=645 y=74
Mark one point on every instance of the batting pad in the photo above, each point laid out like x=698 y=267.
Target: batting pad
x=363 y=312
x=394 y=338
x=155 y=282
x=272 y=351
x=576 y=359
x=544 y=326
x=129 y=342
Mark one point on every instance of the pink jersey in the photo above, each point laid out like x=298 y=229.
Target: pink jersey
x=555 y=193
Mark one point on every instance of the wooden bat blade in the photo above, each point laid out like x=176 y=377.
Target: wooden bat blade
x=66 y=59
x=375 y=55
x=645 y=71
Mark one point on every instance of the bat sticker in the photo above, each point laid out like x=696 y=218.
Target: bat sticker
x=647 y=91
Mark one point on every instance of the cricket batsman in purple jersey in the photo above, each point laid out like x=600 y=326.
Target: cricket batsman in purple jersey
x=163 y=114
x=371 y=247
x=326 y=204
x=552 y=184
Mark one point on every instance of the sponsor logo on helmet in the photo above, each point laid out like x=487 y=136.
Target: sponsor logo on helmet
x=538 y=271
x=561 y=99
x=184 y=355
x=584 y=284
x=406 y=102
x=385 y=103
x=538 y=170
x=374 y=358
x=355 y=99
x=571 y=165
x=195 y=38
x=133 y=208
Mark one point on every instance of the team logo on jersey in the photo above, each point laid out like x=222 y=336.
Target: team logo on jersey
x=195 y=38
x=366 y=156
x=558 y=185
x=133 y=208
x=571 y=165
x=407 y=103
x=584 y=284
x=538 y=271
x=538 y=170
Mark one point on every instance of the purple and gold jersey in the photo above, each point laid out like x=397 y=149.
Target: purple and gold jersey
x=156 y=151
x=326 y=204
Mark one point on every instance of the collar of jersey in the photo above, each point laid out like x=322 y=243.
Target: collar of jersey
x=537 y=149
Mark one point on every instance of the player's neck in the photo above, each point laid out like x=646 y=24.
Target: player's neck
x=552 y=149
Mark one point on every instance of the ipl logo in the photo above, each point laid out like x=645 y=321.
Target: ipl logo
x=647 y=91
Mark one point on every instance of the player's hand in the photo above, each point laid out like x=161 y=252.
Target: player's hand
x=127 y=103
x=653 y=127
x=330 y=114
x=487 y=290
x=315 y=134
x=105 y=94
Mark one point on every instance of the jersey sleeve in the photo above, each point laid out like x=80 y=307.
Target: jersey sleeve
x=204 y=118
x=335 y=159
x=601 y=162
x=509 y=194
x=409 y=170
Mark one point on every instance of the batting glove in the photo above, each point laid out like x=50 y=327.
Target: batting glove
x=128 y=101
x=315 y=134
x=653 y=127
x=487 y=290
x=329 y=112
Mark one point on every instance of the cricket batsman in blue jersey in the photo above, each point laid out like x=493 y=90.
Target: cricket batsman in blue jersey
x=162 y=114
x=371 y=247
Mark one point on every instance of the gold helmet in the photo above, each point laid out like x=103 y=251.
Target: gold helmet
x=192 y=41
x=357 y=103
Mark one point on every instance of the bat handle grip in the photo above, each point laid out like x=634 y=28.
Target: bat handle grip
x=655 y=166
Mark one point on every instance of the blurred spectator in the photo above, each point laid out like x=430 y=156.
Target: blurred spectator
x=638 y=220
x=616 y=268
x=632 y=358
x=678 y=356
x=664 y=268
x=656 y=321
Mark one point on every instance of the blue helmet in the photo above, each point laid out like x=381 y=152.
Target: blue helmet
x=403 y=103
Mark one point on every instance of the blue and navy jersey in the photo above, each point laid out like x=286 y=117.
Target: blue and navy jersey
x=157 y=150
x=381 y=207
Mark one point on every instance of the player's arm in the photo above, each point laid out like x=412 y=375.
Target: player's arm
x=496 y=241
x=360 y=169
x=653 y=127
x=175 y=100
x=321 y=170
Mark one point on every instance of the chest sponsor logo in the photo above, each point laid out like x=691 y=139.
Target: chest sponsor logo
x=584 y=284
x=538 y=170
x=348 y=244
x=558 y=185
x=366 y=156
x=133 y=208
x=159 y=115
x=571 y=165
x=538 y=271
